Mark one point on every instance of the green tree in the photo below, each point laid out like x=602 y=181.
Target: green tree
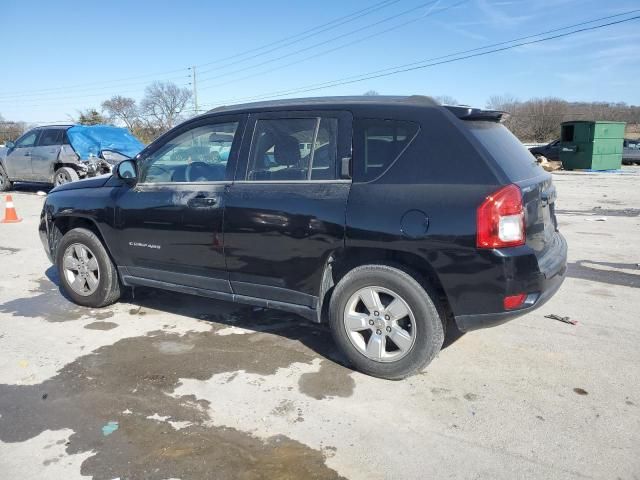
x=90 y=116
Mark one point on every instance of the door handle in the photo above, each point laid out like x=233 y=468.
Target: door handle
x=27 y=154
x=203 y=202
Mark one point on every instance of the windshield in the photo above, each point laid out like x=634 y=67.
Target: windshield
x=89 y=141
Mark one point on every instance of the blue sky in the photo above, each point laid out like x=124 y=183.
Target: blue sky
x=62 y=56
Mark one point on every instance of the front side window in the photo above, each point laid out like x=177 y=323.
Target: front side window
x=27 y=140
x=379 y=142
x=51 y=137
x=294 y=149
x=197 y=155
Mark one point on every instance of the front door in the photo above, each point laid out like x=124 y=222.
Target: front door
x=45 y=154
x=18 y=160
x=285 y=212
x=169 y=225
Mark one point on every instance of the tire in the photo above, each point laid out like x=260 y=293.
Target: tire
x=95 y=294
x=64 y=175
x=5 y=183
x=427 y=336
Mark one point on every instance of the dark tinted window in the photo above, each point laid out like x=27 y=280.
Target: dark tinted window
x=378 y=144
x=294 y=149
x=52 y=136
x=506 y=149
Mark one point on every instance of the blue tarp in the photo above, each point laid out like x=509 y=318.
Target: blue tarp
x=90 y=140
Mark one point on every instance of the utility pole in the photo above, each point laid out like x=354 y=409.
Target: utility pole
x=194 y=85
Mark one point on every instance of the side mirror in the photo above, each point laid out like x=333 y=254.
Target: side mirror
x=10 y=145
x=127 y=171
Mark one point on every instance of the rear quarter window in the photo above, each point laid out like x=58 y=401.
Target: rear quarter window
x=512 y=156
x=377 y=144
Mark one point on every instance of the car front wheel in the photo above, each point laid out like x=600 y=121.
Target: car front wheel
x=5 y=183
x=65 y=175
x=86 y=271
x=385 y=322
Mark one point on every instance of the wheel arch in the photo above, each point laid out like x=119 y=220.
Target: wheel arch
x=341 y=262
x=62 y=224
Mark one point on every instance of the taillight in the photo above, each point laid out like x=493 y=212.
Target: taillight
x=514 y=301
x=500 y=219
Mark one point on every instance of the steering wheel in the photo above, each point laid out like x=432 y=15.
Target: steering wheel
x=190 y=170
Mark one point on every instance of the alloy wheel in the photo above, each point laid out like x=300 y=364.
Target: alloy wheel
x=81 y=269
x=62 y=177
x=380 y=324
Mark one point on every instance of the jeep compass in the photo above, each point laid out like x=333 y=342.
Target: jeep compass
x=381 y=216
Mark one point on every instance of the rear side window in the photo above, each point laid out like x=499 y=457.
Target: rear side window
x=378 y=143
x=512 y=156
x=294 y=149
x=51 y=137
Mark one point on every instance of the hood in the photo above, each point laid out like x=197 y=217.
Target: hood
x=95 y=182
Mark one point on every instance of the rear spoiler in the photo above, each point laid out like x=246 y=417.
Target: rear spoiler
x=468 y=113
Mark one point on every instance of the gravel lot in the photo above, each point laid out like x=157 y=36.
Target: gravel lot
x=172 y=386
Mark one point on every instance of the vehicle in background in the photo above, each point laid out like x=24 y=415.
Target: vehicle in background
x=60 y=154
x=551 y=150
x=381 y=216
x=631 y=152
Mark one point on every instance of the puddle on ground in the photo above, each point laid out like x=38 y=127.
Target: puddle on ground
x=101 y=326
x=605 y=272
x=332 y=380
x=131 y=380
x=46 y=302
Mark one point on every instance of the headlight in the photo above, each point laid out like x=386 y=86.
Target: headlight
x=113 y=157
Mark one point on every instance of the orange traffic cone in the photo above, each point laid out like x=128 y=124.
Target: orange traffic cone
x=10 y=215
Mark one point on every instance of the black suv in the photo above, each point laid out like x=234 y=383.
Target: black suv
x=382 y=216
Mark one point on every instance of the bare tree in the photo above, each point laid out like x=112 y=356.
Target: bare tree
x=446 y=100
x=163 y=103
x=10 y=130
x=123 y=109
x=371 y=93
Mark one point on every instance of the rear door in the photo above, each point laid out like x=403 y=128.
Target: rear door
x=521 y=168
x=168 y=227
x=45 y=154
x=18 y=160
x=285 y=212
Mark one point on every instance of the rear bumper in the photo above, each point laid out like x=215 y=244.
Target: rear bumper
x=541 y=286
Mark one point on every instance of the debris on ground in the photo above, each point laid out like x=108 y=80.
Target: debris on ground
x=109 y=428
x=553 y=316
x=549 y=165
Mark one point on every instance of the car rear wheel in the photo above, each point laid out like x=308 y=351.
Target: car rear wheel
x=86 y=271
x=385 y=322
x=5 y=183
x=65 y=175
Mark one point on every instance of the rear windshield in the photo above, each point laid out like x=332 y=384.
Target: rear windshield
x=506 y=149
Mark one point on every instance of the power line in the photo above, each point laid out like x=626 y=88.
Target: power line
x=339 y=47
x=438 y=60
x=300 y=36
x=319 y=44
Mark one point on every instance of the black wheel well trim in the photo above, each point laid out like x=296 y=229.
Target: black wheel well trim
x=342 y=261
x=76 y=221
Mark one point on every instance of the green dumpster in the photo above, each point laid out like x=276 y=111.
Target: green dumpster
x=591 y=145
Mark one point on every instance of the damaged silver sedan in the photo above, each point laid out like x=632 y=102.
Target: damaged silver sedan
x=59 y=154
